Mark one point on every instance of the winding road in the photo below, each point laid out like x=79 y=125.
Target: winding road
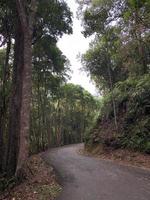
x=88 y=178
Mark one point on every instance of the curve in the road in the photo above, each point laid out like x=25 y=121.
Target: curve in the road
x=87 y=178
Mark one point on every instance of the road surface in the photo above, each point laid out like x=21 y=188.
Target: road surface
x=88 y=178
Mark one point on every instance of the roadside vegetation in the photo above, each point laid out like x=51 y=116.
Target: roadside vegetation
x=118 y=61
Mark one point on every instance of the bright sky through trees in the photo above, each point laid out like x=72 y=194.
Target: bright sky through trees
x=71 y=46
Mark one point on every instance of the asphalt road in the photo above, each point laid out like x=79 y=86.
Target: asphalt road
x=87 y=178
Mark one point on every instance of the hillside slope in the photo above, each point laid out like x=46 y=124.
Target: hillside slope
x=132 y=102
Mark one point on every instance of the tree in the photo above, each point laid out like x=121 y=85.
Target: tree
x=26 y=25
x=130 y=17
x=51 y=19
x=117 y=26
x=22 y=83
x=69 y=111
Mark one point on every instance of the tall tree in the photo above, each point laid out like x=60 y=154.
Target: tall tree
x=50 y=19
x=26 y=25
x=18 y=132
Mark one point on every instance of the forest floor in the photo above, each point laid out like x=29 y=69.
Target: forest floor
x=88 y=178
x=121 y=156
x=39 y=184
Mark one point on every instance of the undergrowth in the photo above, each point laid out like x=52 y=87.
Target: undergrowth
x=132 y=100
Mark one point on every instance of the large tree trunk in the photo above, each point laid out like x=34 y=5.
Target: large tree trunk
x=21 y=90
x=27 y=31
x=15 y=104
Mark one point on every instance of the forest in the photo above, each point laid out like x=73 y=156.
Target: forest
x=118 y=61
x=39 y=109
x=49 y=112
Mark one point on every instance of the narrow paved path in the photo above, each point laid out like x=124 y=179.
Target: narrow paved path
x=87 y=178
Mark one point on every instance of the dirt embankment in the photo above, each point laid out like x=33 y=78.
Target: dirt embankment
x=39 y=184
x=122 y=156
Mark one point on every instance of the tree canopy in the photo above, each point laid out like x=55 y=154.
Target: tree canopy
x=118 y=61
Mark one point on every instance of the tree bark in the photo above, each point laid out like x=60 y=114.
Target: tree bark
x=21 y=90
x=15 y=104
x=27 y=31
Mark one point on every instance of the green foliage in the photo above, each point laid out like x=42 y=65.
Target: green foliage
x=53 y=18
x=61 y=117
x=137 y=135
x=103 y=60
x=118 y=61
x=132 y=99
x=137 y=128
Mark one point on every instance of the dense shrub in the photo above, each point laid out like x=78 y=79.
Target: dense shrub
x=132 y=99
